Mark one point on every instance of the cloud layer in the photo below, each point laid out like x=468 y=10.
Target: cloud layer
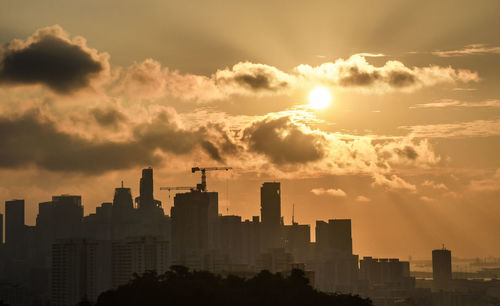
x=50 y=58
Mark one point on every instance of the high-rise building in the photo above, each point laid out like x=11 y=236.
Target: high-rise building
x=384 y=270
x=193 y=216
x=67 y=214
x=138 y=255
x=80 y=270
x=122 y=200
x=441 y=269
x=270 y=211
x=146 y=200
x=336 y=235
x=298 y=240
x=230 y=237
x=14 y=223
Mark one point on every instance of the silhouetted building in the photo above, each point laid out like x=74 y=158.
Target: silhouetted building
x=270 y=211
x=138 y=255
x=251 y=240
x=441 y=269
x=230 y=238
x=146 y=200
x=298 y=240
x=336 y=234
x=193 y=219
x=389 y=271
x=275 y=260
x=14 y=226
x=123 y=204
x=80 y=269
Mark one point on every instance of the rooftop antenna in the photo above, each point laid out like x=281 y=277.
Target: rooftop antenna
x=293 y=213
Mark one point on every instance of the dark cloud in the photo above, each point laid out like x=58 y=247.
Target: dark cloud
x=260 y=81
x=27 y=140
x=250 y=77
x=212 y=150
x=49 y=59
x=108 y=117
x=407 y=152
x=401 y=79
x=353 y=76
x=284 y=142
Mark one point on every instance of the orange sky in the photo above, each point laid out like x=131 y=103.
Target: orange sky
x=407 y=147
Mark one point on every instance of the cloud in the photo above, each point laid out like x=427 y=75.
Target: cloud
x=427 y=199
x=246 y=77
x=434 y=185
x=443 y=103
x=283 y=142
x=476 y=128
x=361 y=198
x=356 y=72
x=393 y=182
x=491 y=183
x=408 y=152
x=108 y=117
x=148 y=79
x=31 y=140
x=50 y=58
x=331 y=192
x=474 y=49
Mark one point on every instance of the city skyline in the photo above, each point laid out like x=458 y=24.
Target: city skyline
x=387 y=115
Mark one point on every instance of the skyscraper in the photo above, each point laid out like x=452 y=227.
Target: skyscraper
x=14 y=223
x=146 y=200
x=441 y=269
x=123 y=205
x=192 y=216
x=270 y=210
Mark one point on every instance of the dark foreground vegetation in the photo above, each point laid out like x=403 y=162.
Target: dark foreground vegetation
x=182 y=287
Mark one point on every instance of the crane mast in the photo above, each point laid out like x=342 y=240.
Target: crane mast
x=203 y=185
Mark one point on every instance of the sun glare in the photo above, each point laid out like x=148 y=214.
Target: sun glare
x=319 y=98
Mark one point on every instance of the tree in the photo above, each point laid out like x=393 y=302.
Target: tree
x=181 y=287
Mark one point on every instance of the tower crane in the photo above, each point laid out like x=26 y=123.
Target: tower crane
x=203 y=185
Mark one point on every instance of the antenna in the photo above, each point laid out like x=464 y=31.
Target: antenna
x=293 y=213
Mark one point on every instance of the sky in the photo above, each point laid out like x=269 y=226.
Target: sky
x=387 y=112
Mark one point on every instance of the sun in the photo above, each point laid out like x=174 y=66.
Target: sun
x=319 y=98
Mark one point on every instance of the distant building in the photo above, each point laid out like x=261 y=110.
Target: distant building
x=336 y=235
x=298 y=240
x=146 y=200
x=270 y=211
x=80 y=270
x=251 y=240
x=230 y=237
x=383 y=271
x=441 y=269
x=194 y=216
x=138 y=255
x=14 y=226
x=275 y=260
